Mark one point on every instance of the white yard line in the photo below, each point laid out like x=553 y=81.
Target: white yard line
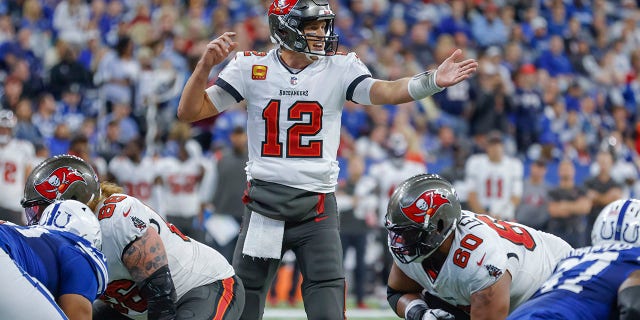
x=299 y=313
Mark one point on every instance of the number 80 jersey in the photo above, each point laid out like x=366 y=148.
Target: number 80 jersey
x=123 y=219
x=294 y=117
x=482 y=251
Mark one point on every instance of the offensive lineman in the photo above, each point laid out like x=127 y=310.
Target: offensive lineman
x=483 y=266
x=155 y=272
x=295 y=95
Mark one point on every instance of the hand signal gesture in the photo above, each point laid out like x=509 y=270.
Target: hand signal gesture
x=218 y=49
x=451 y=72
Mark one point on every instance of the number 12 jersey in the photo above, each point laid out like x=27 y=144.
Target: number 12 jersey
x=294 y=116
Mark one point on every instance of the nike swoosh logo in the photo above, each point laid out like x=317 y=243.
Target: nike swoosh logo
x=480 y=262
x=125 y=214
x=320 y=218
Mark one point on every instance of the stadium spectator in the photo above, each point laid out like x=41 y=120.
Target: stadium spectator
x=230 y=185
x=569 y=206
x=533 y=210
x=601 y=188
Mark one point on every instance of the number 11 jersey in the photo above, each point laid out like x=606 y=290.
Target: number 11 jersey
x=294 y=116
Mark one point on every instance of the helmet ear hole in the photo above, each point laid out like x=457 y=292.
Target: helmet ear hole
x=440 y=226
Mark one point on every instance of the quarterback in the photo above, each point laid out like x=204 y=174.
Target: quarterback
x=294 y=95
x=155 y=272
x=475 y=263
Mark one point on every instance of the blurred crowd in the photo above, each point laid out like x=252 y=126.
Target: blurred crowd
x=554 y=104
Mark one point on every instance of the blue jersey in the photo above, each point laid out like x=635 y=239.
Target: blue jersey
x=584 y=285
x=63 y=262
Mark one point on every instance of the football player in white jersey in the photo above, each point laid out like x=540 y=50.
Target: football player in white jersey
x=135 y=172
x=16 y=157
x=155 y=272
x=181 y=177
x=495 y=180
x=475 y=263
x=294 y=95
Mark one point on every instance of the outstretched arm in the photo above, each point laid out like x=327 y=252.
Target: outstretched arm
x=194 y=104
x=450 y=72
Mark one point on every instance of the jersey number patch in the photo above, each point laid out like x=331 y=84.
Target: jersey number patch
x=461 y=256
x=272 y=147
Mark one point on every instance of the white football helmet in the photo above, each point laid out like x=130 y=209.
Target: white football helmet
x=75 y=217
x=618 y=222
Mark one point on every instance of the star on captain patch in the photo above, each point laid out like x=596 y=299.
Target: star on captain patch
x=493 y=271
x=294 y=80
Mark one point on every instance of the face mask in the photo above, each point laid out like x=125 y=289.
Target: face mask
x=4 y=138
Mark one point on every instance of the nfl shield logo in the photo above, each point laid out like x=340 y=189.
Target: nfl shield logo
x=294 y=80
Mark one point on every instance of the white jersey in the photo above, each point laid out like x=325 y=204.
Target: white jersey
x=15 y=157
x=136 y=178
x=180 y=186
x=294 y=118
x=123 y=219
x=483 y=249
x=495 y=183
x=389 y=176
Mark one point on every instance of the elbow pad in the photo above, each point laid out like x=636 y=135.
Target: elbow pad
x=160 y=293
x=629 y=303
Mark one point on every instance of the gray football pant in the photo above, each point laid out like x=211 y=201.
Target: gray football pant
x=316 y=244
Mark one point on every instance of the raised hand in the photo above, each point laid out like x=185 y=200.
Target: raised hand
x=451 y=72
x=218 y=49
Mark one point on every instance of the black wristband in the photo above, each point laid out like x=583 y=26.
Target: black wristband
x=160 y=293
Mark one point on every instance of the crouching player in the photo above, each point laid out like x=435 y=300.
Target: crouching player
x=587 y=283
x=155 y=272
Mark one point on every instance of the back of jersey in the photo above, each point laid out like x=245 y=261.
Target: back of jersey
x=529 y=255
x=50 y=255
x=594 y=273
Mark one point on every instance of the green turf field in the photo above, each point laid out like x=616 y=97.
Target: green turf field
x=286 y=312
x=355 y=314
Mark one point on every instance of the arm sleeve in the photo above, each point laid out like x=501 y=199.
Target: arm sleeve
x=125 y=229
x=357 y=80
x=229 y=87
x=493 y=266
x=220 y=97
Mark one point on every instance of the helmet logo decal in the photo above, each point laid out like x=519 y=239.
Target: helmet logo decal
x=423 y=208
x=281 y=7
x=58 y=182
